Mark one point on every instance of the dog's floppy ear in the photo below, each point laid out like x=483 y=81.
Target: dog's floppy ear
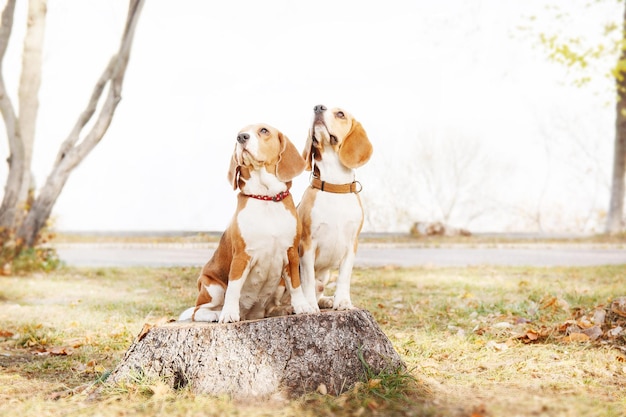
x=290 y=164
x=307 y=153
x=356 y=149
x=234 y=170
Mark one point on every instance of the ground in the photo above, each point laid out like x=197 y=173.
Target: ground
x=478 y=341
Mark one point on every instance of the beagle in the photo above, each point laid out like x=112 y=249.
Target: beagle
x=261 y=242
x=330 y=210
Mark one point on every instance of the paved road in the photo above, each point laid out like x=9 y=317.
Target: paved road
x=197 y=255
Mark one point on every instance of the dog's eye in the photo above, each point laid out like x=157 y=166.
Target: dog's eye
x=264 y=131
x=340 y=115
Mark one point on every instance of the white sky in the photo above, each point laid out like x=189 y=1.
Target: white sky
x=408 y=70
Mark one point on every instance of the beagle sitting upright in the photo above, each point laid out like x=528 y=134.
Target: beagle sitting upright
x=330 y=210
x=261 y=242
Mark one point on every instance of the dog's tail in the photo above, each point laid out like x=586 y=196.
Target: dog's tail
x=187 y=314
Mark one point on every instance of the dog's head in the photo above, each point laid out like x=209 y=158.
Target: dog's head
x=339 y=130
x=261 y=146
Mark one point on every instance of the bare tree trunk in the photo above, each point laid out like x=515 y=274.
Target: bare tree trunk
x=13 y=185
x=28 y=93
x=615 y=221
x=73 y=150
x=280 y=356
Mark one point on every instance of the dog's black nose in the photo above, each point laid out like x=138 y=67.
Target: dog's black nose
x=242 y=138
x=319 y=108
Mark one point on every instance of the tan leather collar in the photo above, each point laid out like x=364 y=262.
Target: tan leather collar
x=353 y=187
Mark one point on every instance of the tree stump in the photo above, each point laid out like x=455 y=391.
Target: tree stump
x=273 y=357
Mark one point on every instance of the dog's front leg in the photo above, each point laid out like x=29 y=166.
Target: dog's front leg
x=298 y=301
x=342 y=299
x=307 y=276
x=239 y=270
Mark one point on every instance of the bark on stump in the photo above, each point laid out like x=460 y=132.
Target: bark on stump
x=279 y=356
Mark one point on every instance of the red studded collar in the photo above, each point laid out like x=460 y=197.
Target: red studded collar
x=278 y=197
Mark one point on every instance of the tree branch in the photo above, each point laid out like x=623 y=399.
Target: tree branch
x=86 y=114
x=16 y=148
x=28 y=91
x=113 y=76
x=6 y=107
x=73 y=151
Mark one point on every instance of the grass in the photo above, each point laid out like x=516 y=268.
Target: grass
x=464 y=333
x=496 y=239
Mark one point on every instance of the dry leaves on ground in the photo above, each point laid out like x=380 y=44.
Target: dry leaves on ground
x=603 y=323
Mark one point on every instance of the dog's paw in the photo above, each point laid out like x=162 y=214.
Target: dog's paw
x=206 y=315
x=344 y=304
x=229 y=316
x=304 y=308
x=326 y=302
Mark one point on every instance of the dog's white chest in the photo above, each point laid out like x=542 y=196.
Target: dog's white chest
x=335 y=223
x=266 y=226
x=268 y=230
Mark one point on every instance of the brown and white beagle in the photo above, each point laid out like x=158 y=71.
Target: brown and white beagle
x=261 y=243
x=330 y=210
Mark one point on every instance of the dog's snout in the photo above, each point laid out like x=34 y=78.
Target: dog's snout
x=242 y=138
x=319 y=108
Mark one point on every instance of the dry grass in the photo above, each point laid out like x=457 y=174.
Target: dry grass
x=458 y=329
x=496 y=239
x=139 y=237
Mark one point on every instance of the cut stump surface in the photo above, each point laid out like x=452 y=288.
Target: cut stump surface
x=284 y=356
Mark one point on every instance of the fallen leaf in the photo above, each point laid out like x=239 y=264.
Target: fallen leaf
x=522 y=320
x=554 y=303
x=144 y=331
x=480 y=330
x=498 y=347
x=81 y=367
x=593 y=332
x=75 y=343
x=573 y=328
x=531 y=335
x=6 y=333
x=576 y=337
x=91 y=367
x=618 y=306
x=373 y=383
x=599 y=315
x=614 y=332
x=58 y=395
x=547 y=302
x=584 y=323
x=479 y=411
x=60 y=351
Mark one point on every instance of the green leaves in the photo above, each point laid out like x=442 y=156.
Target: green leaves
x=619 y=71
x=587 y=49
x=564 y=51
